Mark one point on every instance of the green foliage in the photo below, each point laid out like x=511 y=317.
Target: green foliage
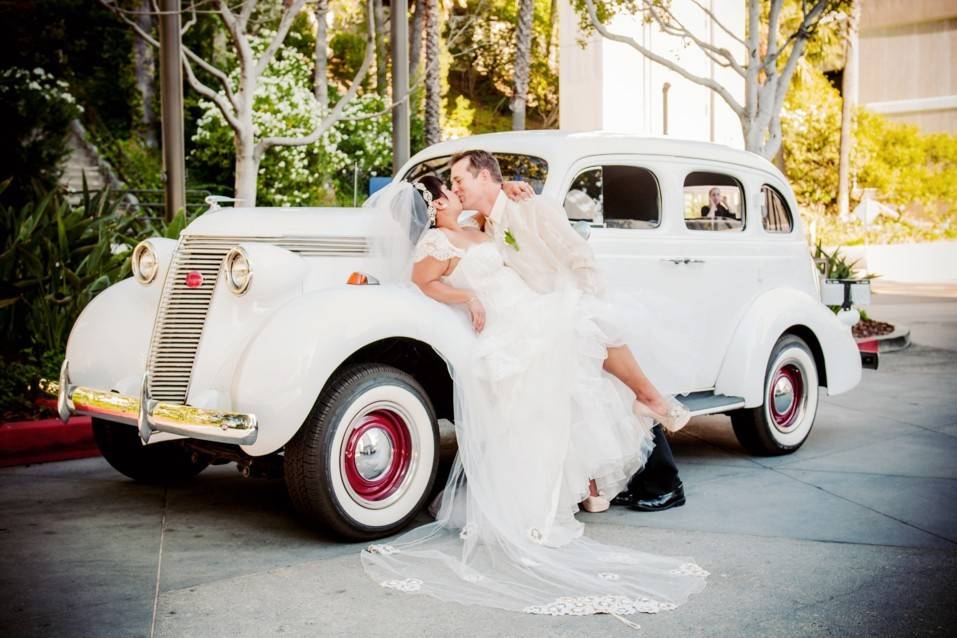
x=347 y=52
x=811 y=125
x=54 y=258
x=834 y=265
x=36 y=111
x=915 y=173
x=480 y=36
x=19 y=383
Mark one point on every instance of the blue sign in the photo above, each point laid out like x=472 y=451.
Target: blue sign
x=377 y=183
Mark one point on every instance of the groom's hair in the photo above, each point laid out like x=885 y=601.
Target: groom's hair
x=477 y=161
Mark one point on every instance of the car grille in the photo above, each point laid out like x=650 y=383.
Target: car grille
x=182 y=310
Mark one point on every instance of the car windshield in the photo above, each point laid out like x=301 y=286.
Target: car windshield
x=514 y=166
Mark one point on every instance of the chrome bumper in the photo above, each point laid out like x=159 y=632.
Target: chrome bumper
x=148 y=415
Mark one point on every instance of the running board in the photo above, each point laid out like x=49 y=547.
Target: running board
x=707 y=402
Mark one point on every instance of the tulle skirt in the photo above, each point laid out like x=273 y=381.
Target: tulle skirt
x=536 y=418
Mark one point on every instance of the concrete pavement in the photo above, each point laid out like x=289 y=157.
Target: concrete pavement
x=855 y=534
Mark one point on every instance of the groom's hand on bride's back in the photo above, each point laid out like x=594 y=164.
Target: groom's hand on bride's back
x=518 y=191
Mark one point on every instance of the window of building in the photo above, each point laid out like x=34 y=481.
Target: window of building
x=713 y=202
x=615 y=196
x=775 y=214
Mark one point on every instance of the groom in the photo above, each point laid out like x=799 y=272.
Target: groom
x=539 y=244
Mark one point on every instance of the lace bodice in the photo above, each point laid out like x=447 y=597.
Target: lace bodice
x=436 y=244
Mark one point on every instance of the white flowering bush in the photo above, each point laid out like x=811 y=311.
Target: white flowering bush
x=36 y=110
x=284 y=105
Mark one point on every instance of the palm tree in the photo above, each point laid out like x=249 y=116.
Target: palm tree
x=523 y=52
x=433 y=89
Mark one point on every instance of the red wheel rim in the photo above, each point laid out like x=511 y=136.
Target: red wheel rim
x=377 y=455
x=785 y=395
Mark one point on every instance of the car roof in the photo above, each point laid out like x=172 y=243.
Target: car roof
x=566 y=147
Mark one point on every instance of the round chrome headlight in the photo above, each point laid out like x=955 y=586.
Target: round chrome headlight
x=238 y=271
x=145 y=264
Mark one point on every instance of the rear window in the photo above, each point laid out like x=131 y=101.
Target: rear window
x=526 y=168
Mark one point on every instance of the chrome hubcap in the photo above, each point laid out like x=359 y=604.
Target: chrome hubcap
x=373 y=454
x=787 y=396
x=379 y=454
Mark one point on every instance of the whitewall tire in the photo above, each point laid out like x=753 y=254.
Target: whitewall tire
x=364 y=462
x=784 y=421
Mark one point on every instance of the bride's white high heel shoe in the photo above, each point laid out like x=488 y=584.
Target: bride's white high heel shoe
x=595 y=504
x=676 y=418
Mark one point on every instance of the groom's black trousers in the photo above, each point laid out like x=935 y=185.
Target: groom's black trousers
x=660 y=474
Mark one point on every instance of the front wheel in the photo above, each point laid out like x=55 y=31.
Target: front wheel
x=783 y=423
x=120 y=445
x=364 y=461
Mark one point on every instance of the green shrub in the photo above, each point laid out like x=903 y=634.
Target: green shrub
x=916 y=173
x=36 y=111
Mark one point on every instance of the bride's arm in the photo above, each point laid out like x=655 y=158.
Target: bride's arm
x=427 y=273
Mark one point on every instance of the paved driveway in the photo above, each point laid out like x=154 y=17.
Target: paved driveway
x=855 y=534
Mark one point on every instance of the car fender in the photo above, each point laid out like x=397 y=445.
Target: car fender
x=287 y=364
x=770 y=315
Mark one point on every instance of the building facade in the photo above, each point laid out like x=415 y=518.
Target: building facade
x=908 y=61
x=610 y=85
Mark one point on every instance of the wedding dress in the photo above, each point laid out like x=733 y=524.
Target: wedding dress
x=536 y=418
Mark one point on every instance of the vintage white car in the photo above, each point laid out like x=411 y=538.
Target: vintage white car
x=261 y=336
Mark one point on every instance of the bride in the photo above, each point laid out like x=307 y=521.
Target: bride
x=540 y=428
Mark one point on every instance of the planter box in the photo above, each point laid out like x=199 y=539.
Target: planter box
x=28 y=442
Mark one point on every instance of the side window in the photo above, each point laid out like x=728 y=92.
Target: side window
x=583 y=200
x=617 y=196
x=713 y=201
x=775 y=214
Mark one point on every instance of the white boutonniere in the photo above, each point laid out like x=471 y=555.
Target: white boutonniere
x=510 y=239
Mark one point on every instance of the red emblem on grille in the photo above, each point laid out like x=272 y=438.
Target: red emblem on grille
x=194 y=279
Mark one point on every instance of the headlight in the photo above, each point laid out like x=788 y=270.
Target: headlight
x=145 y=264
x=238 y=271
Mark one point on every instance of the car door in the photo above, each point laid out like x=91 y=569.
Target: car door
x=645 y=245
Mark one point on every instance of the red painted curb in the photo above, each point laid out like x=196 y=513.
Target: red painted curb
x=28 y=442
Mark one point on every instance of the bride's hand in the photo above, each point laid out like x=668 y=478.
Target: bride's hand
x=518 y=191
x=477 y=310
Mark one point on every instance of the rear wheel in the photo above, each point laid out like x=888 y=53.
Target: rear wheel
x=784 y=421
x=120 y=445
x=364 y=462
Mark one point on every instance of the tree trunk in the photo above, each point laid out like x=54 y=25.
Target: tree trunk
x=523 y=49
x=321 y=76
x=247 y=170
x=415 y=38
x=849 y=89
x=144 y=62
x=381 y=50
x=433 y=88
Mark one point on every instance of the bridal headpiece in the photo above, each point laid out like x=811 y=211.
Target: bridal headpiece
x=427 y=196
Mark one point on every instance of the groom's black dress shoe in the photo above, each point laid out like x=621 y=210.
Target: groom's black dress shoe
x=626 y=498
x=675 y=498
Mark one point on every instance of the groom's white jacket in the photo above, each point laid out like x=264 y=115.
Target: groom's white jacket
x=537 y=241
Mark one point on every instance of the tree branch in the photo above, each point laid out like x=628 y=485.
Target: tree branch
x=288 y=15
x=672 y=26
x=194 y=82
x=654 y=57
x=335 y=115
x=721 y=26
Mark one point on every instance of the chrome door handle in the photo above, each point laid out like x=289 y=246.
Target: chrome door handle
x=694 y=261
x=682 y=260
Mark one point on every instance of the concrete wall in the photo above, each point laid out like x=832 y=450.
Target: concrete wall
x=934 y=262
x=908 y=61
x=610 y=85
